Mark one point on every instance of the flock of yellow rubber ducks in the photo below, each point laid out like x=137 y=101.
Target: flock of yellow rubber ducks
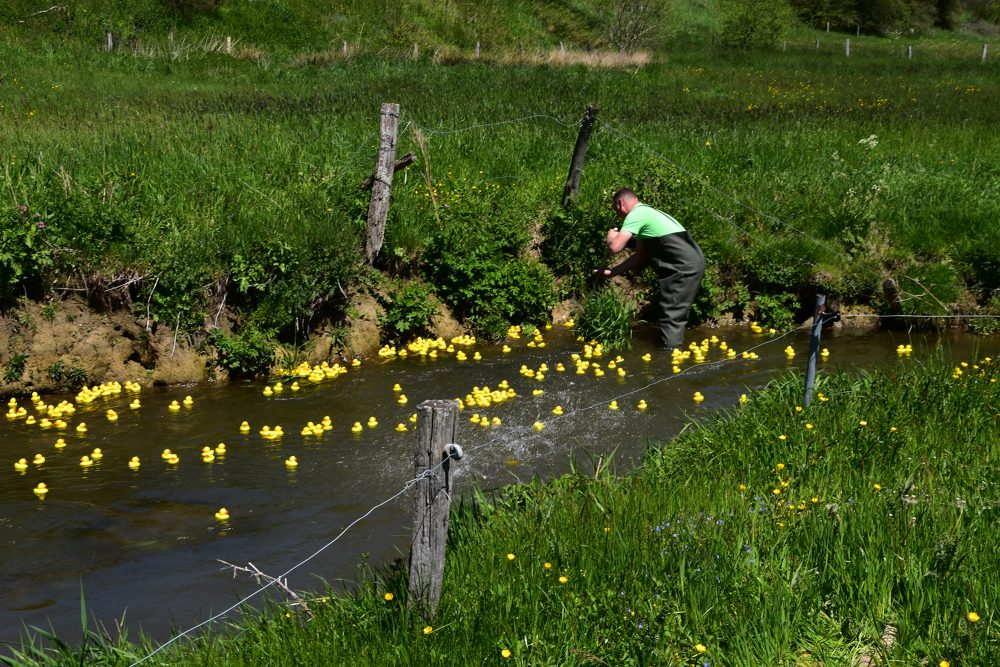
x=590 y=361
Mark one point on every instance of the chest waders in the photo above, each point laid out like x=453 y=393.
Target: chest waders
x=679 y=265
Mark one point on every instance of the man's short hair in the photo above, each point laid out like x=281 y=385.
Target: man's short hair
x=624 y=193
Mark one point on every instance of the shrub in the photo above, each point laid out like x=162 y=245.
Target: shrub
x=574 y=245
x=15 y=368
x=748 y=23
x=985 y=326
x=606 y=316
x=408 y=311
x=776 y=310
x=24 y=254
x=929 y=289
x=246 y=354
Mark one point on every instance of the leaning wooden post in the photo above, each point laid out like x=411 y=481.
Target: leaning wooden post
x=986 y=51
x=110 y=44
x=579 y=153
x=477 y=50
x=229 y=43
x=909 y=52
x=378 y=209
x=814 y=347
x=847 y=47
x=436 y=421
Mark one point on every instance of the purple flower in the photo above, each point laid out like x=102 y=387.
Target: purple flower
x=41 y=224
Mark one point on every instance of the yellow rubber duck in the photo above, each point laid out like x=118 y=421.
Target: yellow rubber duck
x=477 y=357
x=97 y=454
x=402 y=399
x=495 y=421
x=613 y=405
x=174 y=406
x=698 y=397
x=372 y=422
x=401 y=427
x=245 y=427
x=111 y=415
x=135 y=404
x=174 y=459
x=824 y=354
x=134 y=463
x=538 y=426
x=38 y=460
x=268 y=391
x=291 y=462
x=85 y=461
x=188 y=401
x=220 y=449
x=413 y=418
x=743 y=399
x=295 y=386
x=60 y=443
x=647 y=357
x=222 y=514
x=166 y=454
x=357 y=428
x=21 y=465
x=558 y=410
x=537 y=392
x=790 y=352
x=278 y=387
x=208 y=456
x=355 y=363
x=396 y=387
x=642 y=404
x=41 y=490
x=30 y=419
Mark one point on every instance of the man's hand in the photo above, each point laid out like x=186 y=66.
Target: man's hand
x=602 y=274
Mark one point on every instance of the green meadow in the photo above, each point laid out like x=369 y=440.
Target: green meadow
x=862 y=525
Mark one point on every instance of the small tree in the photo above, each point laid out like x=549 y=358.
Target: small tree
x=635 y=23
x=747 y=23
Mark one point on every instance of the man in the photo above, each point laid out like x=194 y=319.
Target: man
x=663 y=242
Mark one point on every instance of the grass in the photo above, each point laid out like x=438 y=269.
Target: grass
x=862 y=525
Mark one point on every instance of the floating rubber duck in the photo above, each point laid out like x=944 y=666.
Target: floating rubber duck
x=613 y=405
x=222 y=514
x=188 y=401
x=675 y=369
x=538 y=426
x=38 y=460
x=413 y=418
x=278 y=387
x=372 y=422
x=85 y=461
x=60 y=443
x=174 y=459
x=220 y=449
x=245 y=427
x=30 y=419
x=166 y=454
x=81 y=427
x=135 y=404
x=357 y=428
x=134 y=463
x=291 y=462
x=743 y=399
x=268 y=391
x=295 y=386
x=174 y=406
x=40 y=490
x=355 y=363
x=401 y=427
x=698 y=397
x=21 y=465
x=505 y=349
x=45 y=423
x=477 y=357
x=396 y=388
x=537 y=392
x=402 y=399
x=558 y=410
x=824 y=354
x=495 y=421
x=790 y=352
x=97 y=454
x=111 y=415
x=642 y=405
x=621 y=372
x=208 y=457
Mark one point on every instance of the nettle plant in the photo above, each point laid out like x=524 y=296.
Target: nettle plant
x=25 y=254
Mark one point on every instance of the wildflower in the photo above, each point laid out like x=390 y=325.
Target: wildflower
x=511 y=556
x=388 y=597
x=41 y=224
x=547 y=565
x=782 y=437
x=877 y=486
x=428 y=629
x=743 y=487
x=944 y=663
x=564 y=579
x=863 y=423
x=776 y=492
x=973 y=617
x=505 y=653
x=781 y=466
x=809 y=426
x=700 y=648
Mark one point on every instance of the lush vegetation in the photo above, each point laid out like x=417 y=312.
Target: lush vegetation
x=174 y=175
x=863 y=525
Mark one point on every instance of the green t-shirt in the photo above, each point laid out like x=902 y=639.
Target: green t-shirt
x=645 y=222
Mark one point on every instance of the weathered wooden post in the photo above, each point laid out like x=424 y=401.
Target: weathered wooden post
x=784 y=45
x=477 y=50
x=343 y=47
x=986 y=51
x=817 y=45
x=814 y=348
x=828 y=27
x=229 y=43
x=436 y=421
x=579 y=153
x=110 y=44
x=847 y=47
x=382 y=188
x=909 y=52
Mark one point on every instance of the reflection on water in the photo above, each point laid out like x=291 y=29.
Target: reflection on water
x=145 y=543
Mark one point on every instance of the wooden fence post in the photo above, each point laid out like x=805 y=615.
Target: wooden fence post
x=909 y=52
x=110 y=44
x=382 y=188
x=986 y=50
x=477 y=50
x=436 y=421
x=579 y=153
x=229 y=43
x=817 y=45
x=847 y=47
x=828 y=27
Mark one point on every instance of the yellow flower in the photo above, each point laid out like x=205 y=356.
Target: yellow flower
x=743 y=487
x=505 y=653
x=781 y=466
x=563 y=579
x=782 y=437
x=388 y=597
x=809 y=426
x=776 y=492
x=511 y=556
x=944 y=663
x=973 y=617
x=700 y=648
x=547 y=565
x=863 y=423
x=607 y=529
x=877 y=487
x=428 y=629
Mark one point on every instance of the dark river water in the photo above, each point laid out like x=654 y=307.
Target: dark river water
x=146 y=544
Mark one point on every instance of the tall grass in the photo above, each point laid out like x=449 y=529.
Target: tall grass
x=860 y=526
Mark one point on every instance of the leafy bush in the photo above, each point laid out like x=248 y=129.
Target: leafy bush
x=986 y=326
x=749 y=23
x=71 y=377
x=245 y=354
x=15 y=368
x=716 y=298
x=606 y=316
x=574 y=245
x=929 y=289
x=24 y=254
x=408 y=311
x=776 y=310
